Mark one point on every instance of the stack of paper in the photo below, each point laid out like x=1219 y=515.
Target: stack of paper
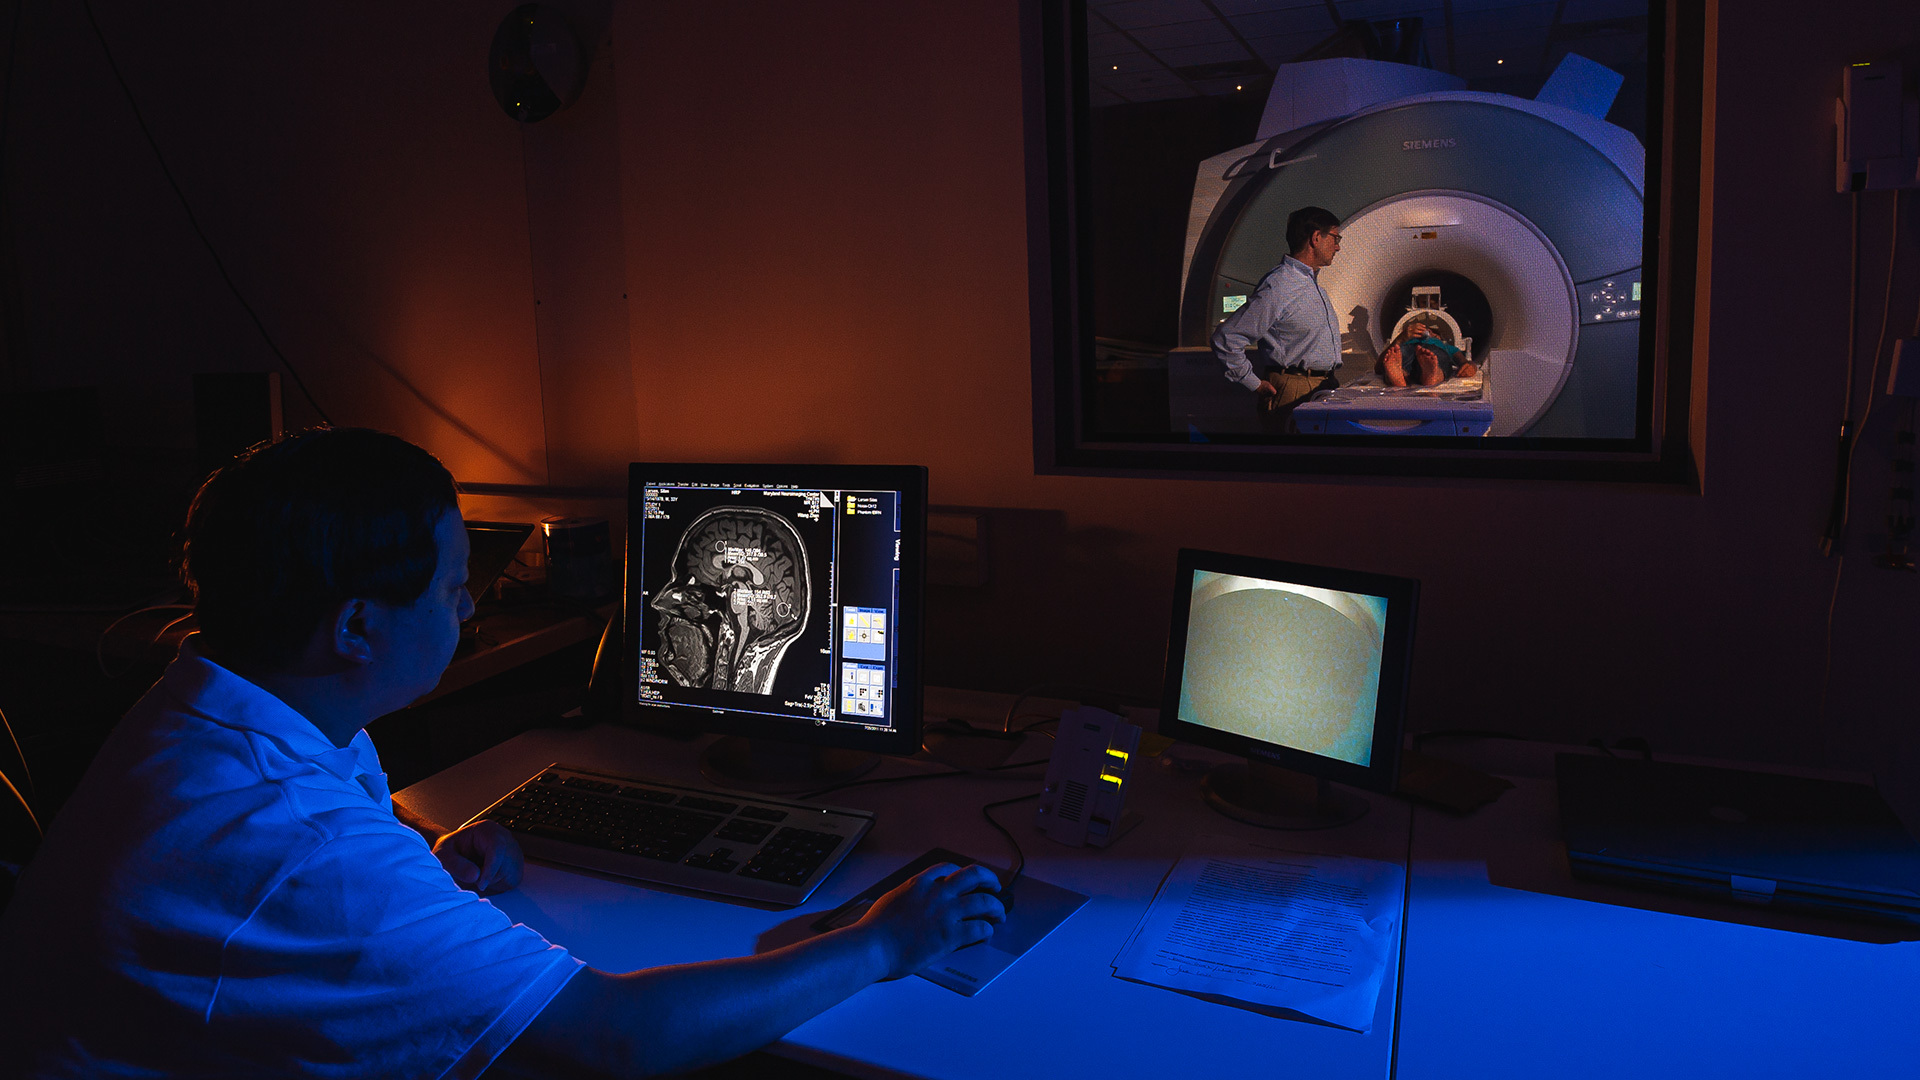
x=1275 y=930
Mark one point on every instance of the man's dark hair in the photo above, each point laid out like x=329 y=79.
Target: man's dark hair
x=1304 y=222
x=290 y=528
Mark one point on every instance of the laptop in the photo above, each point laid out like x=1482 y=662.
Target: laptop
x=1825 y=846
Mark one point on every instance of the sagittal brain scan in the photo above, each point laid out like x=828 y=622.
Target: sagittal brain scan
x=766 y=600
x=1285 y=664
x=738 y=598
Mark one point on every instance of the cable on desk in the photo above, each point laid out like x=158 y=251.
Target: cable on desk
x=1086 y=694
x=923 y=776
x=1019 y=856
x=956 y=728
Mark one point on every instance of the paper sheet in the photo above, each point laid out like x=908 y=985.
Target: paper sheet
x=1276 y=929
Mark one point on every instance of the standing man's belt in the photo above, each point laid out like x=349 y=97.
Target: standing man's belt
x=1301 y=369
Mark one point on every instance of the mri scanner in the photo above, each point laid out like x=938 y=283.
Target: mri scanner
x=1526 y=215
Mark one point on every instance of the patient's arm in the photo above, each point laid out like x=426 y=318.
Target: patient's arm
x=672 y=1019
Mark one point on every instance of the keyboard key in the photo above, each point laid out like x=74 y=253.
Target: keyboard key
x=695 y=802
x=763 y=813
x=586 y=784
x=791 y=856
x=746 y=832
x=646 y=795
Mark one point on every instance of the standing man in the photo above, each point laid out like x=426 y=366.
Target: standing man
x=1289 y=322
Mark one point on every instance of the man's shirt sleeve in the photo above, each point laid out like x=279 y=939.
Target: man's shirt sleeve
x=1233 y=337
x=368 y=960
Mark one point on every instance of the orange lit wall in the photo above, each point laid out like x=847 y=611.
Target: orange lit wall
x=364 y=191
x=826 y=244
x=796 y=232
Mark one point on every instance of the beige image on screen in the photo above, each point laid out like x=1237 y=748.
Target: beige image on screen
x=1284 y=664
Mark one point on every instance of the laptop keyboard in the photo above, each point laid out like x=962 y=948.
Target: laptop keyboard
x=751 y=847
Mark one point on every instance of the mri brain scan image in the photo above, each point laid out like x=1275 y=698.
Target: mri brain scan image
x=738 y=598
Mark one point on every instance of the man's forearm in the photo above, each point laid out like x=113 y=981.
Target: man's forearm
x=417 y=823
x=672 y=1019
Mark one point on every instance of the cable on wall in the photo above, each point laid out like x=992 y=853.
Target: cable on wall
x=1874 y=390
x=193 y=219
x=1850 y=432
x=1850 y=436
x=1830 y=539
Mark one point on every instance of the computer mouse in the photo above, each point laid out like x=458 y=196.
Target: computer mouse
x=1004 y=890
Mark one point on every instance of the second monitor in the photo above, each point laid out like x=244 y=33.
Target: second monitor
x=1301 y=669
x=780 y=605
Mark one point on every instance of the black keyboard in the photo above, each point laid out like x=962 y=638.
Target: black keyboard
x=751 y=847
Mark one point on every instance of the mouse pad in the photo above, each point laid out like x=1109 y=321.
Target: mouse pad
x=1037 y=908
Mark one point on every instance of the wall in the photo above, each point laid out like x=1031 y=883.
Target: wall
x=817 y=211
x=826 y=250
x=364 y=191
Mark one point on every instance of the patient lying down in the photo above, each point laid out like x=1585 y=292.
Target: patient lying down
x=1424 y=354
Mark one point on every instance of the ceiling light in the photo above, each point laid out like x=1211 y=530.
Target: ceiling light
x=1499 y=61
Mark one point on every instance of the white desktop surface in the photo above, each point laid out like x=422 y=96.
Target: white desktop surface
x=1515 y=969
x=1058 y=1012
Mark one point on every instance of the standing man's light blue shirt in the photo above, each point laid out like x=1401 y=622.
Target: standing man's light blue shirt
x=1290 y=318
x=228 y=893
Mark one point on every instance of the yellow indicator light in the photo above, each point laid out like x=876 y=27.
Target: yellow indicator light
x=1114 y=780
x=1121 y=754
x=1867 y=64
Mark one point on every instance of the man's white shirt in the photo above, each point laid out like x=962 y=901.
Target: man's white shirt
x=1289 y=317
x=229 y=893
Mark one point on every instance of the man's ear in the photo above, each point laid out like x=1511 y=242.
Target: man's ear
x=347 y=633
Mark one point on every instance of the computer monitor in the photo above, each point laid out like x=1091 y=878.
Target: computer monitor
x=1300 y=669
x=779 y=605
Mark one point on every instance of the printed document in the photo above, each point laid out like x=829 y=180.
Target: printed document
x=1248 y=924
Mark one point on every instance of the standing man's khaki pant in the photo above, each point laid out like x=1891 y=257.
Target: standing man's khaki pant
x=1294 y=389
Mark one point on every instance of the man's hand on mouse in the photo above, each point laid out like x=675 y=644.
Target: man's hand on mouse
x=941 y=909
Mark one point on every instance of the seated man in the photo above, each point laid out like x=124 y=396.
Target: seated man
x=228 y=891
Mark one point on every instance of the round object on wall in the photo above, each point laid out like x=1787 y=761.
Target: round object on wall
x=536 y=66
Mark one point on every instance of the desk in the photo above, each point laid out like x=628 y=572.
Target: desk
x=1512 y=969
x=1058 y=1012
x=1516 y=969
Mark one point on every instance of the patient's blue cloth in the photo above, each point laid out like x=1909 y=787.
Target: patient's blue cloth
x=228 y=893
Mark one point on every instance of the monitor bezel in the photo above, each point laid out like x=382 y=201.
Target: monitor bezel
x=909 y=625
x=1382 y=771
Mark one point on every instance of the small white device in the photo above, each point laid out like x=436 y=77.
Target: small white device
x=1084 y=800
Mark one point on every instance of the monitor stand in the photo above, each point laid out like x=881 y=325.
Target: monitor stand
x=775 y=766
x=1276 y=798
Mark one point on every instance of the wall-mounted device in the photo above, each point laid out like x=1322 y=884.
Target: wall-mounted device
x=536 y=66
x=1084 y=800
x=1876 y=131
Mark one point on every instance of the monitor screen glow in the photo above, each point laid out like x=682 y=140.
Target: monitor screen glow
x=1283 y=663
x=778 y=601
x=1296 y=666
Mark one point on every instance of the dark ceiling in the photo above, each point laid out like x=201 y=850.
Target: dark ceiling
x=1147 y=50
